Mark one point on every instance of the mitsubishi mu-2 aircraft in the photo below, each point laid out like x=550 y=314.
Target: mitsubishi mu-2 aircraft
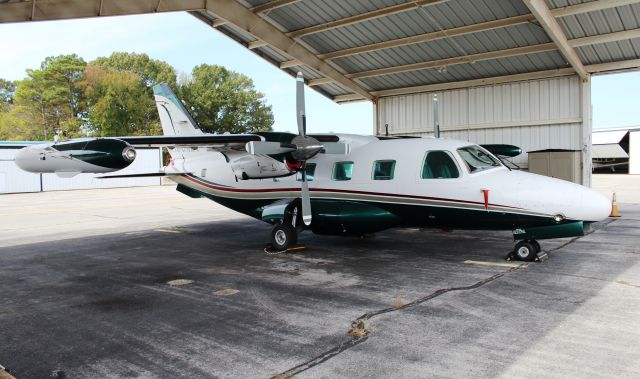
x=342 y=184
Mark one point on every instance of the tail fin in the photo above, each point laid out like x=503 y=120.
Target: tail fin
x=174 y=117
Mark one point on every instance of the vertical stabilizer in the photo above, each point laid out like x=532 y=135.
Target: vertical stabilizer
x=174 y=117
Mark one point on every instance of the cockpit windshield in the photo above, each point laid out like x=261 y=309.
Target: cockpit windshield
x=477 y=159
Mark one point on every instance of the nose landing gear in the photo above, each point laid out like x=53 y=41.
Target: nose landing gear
x=528 y=251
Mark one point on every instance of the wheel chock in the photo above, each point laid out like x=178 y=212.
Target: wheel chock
x=269 y=249
x=541 y=256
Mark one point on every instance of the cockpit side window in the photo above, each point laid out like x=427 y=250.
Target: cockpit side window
x=477 y=159
x=439 y=165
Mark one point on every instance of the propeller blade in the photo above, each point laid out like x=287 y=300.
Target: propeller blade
x=300 y=113
x=268 y=148
x=306 y=201
x=336 y=148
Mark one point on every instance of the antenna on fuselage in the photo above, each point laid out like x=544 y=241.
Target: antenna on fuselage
x=436 y=117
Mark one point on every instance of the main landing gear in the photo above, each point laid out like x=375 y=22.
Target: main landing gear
x=527 y=250
x=285 y=235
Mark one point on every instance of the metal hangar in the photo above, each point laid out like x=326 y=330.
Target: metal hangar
x=504 y=71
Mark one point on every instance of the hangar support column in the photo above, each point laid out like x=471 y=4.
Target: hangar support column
x=586 y=130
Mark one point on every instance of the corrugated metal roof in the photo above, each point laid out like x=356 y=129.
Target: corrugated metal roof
x=440 y=17
x=608 y=151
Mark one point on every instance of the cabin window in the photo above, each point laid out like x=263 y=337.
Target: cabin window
x=477 y=159
x=342 y=170
x=383 y=170
x=439 y=165
x=311 y=170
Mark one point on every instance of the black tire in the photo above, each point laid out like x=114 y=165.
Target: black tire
x=536 y=245
x=283 y=236
x=525 y=251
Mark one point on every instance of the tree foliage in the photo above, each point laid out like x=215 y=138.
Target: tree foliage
x=151 y=71
x=118 y=103
x=113 y=96
x=225 y=101
x=49 y=99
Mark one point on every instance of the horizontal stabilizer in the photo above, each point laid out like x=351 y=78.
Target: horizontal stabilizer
x=145 y=175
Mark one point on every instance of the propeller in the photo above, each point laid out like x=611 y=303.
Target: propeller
x=301 y=148
x=307 y=148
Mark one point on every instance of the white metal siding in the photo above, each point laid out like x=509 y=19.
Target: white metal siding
x=535 y=115
x=13 y=179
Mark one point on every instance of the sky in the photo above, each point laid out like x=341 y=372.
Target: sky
x=185 y=42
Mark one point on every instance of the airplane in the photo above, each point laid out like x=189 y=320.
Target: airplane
x=342 y=184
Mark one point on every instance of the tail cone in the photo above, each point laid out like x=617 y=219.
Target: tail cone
x=614 y=207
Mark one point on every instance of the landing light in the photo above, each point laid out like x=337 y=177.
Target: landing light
x=129 y=154
x=558 y=218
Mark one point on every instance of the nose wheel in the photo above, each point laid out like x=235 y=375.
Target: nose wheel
x=526 y=250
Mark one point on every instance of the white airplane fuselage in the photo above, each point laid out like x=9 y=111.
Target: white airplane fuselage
x=494 y=198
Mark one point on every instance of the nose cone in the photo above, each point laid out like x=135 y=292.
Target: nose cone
x=23 y=159
x=597 y=207
x=558 y=197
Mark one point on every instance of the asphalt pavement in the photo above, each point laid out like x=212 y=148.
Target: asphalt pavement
x=145 y=282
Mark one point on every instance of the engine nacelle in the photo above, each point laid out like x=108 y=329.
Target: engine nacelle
x=73 y=157
x=249 y=166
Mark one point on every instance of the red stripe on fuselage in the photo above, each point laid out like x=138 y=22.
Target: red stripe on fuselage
x=267 y=190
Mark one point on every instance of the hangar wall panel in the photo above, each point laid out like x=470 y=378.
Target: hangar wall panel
x=13 y=179
x=535 y=115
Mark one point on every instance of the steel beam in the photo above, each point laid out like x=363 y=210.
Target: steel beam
x=614 y=66
x=548 y=22
x=604 y=38
x=591 y=6
x=320 y=81
x=270 y=5
x=68 y=9
x=290 y=63
x=246 y=20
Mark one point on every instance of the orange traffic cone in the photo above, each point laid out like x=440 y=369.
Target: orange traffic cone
x=614 y=207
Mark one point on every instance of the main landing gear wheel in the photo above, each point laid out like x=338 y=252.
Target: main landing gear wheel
x=283 y=236
x=526 y=250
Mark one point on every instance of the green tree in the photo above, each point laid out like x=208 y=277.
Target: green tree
x=139 y=74
x=49 y=100
x=118 y=103
x=225 y=101
x=7 y=91
x=151 y=71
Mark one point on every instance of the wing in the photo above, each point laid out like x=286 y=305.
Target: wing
x=215 y=141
